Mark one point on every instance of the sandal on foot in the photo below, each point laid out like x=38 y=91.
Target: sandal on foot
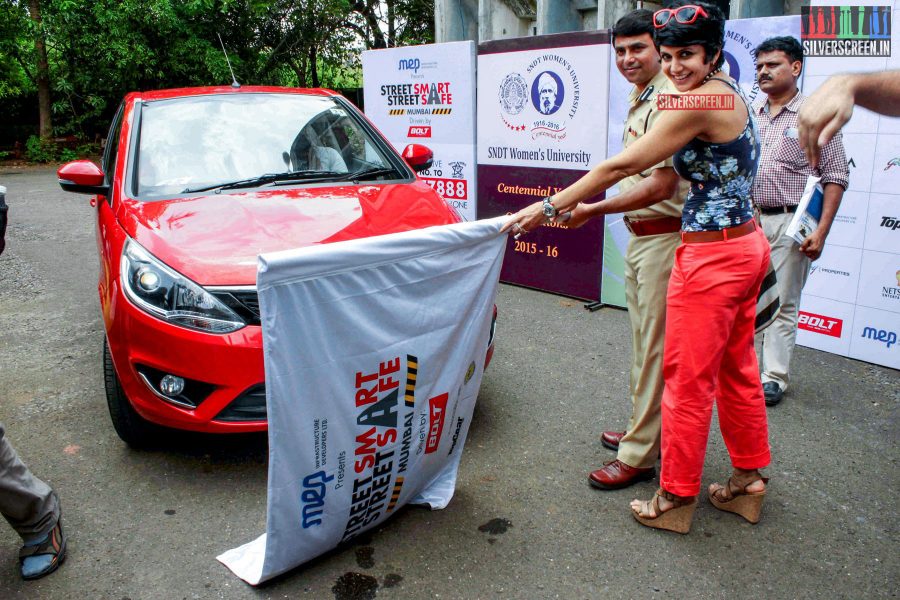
x=677 y=518
x=42 y=558
x=734 y=498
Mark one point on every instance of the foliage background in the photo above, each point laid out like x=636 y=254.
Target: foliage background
x=98 y=51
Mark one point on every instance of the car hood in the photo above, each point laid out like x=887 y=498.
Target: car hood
x=215 y=239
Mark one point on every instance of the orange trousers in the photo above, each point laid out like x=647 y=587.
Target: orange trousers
x=709 y=356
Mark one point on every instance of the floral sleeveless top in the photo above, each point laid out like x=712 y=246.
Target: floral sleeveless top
x=721 y=176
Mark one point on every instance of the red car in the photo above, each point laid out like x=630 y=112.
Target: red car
x=194 y=184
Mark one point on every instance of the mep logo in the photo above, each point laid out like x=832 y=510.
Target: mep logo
x=409 y=64
x=886 y=337
x=820 y=324
x=313 y=498
x=845 y=30
x=892 y=223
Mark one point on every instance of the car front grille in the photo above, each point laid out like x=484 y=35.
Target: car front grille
x=243 y=301
x=249 y=406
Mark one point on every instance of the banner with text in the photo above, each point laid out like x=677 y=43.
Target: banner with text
x=851 y=301
x=374 y=353
x=426 y=95
x=542 y=125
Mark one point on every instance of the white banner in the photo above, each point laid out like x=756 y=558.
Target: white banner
x=543 y=108
x=426 y=95
x=374 y=354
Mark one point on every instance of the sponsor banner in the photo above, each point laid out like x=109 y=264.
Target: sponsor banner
x=374 y=354
x=825 y=324
x=849 y=226
x=426 y=95
x=883 y=223
x=543 y=107
x=886 y=164
x=553 y=258
x=835 y=275
x=879 y=281
x=875 y=337
x=542 y=125
x=860 y=150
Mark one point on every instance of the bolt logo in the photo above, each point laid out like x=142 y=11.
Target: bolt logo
x=894 y=162
x=889 y=338
x=547 y=93
x=820 y=324
x=437 y=407
x=419 y=131
x=409 y=64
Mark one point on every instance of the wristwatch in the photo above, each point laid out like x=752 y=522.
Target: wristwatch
x=550 y=211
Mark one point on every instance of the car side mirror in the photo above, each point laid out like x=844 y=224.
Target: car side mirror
x=82 y=177
x=418 y=157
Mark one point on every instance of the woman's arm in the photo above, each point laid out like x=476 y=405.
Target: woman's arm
x=671 y=132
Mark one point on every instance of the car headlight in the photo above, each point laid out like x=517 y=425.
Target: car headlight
x=160 y=291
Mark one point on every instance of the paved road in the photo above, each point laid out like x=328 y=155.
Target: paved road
x=523 y=524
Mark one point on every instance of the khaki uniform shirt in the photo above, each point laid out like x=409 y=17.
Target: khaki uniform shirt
x=641 y=116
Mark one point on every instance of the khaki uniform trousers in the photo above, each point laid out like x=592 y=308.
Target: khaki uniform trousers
x=28 y=503
x=648 y=264
x=791 y=269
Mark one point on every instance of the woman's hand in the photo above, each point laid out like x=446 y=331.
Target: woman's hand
x=525 y=220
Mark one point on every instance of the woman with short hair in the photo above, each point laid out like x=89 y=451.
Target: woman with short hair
x=711 y=301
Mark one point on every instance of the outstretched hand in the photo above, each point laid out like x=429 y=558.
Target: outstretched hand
x=823 y=114
x=527 y=219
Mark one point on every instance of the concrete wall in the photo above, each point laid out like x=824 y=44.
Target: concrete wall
x=484 y=20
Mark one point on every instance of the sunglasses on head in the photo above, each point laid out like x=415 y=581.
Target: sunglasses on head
x=685 y=15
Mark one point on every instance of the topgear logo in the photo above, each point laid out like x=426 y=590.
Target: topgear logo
x=820 y=324
x=892 y=223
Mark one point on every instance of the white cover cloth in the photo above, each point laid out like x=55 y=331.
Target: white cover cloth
x=374 y=352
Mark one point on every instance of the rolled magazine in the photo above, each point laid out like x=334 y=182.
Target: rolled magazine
x=809 y=211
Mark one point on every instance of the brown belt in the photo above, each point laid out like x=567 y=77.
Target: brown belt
x=692 y=237
x=653 y=226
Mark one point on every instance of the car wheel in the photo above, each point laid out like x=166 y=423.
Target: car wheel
x=134 y=430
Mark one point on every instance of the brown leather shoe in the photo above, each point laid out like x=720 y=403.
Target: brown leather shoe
x=616 y=475
x=611 y=439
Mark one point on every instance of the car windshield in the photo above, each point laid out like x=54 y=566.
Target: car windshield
x=202 y=142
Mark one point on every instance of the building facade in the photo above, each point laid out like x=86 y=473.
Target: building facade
x=485 y=20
